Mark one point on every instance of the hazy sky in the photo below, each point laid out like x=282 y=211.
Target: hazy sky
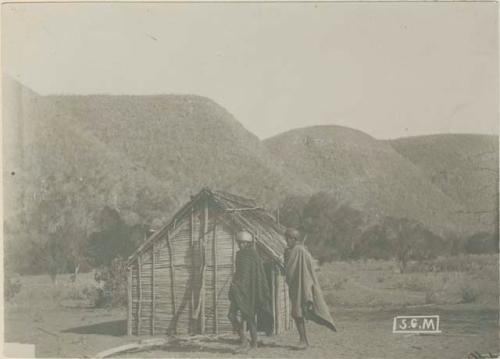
x=389 y=69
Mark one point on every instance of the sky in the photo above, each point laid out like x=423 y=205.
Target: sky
x=388 y=69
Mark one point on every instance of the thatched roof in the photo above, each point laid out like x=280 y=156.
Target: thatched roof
x=244 y=212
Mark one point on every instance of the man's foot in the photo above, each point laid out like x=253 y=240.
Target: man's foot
x=303 y=345
x=243 y=348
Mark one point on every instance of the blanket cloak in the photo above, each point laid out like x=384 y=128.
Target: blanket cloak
x=305 y=292
x=250 y=289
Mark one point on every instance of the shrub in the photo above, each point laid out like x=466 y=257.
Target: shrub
x=469 y=295
x=87 y=293
x=430 y=297
x=414 y=283
x=112 y=291
x=11 y=288
x=481 y=243
x=338 y=285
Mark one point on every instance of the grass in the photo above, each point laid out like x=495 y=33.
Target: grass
x=55 y=316
x=39 y=291
x=365 y=283
x=445 y=280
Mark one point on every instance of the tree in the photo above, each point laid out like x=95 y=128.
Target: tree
x=333 y=228
x=114 y=238
x=291 y=211
x=374 y=243
x=51 y=231
x=411 y=240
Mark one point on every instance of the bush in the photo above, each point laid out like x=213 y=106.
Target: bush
x=112 y=291
x=115 y=239
x=469 y=295
x=430 y=297
x=481 y=243
x=414 y=283
x=86 y=293
x=338 y=285
x=11 y=288
x=461 y=263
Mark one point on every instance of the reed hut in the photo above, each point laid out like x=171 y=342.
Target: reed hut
x=179 y=278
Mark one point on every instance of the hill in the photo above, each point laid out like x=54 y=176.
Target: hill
x=66 y=158
x=463 y=166
x=140 y=155
x=186 y=141
x=367 y=173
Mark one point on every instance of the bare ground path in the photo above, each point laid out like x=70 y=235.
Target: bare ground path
x=362 y=334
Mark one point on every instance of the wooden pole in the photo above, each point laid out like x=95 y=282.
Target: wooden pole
x=214 y=253
x=278 y=303
x=141 y=345
x=202 y=294
x=129 y=306
x=273 y=295
x=285 y=297
x=153 y=295
x=233 y=264
x=139 y=289
x=172 y=273
x=193 y=269
x=290 y=319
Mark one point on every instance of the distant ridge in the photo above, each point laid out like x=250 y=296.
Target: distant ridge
x=142 y=155
x=145 y=155
x=464 y=166
x=369 y=173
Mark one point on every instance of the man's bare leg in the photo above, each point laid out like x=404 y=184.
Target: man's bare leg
x=252 y=326
x=301 y=328
x=243 y=338
x=238 y=327
x=244 y=346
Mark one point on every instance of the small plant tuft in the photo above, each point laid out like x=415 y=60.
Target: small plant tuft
x=469 y=295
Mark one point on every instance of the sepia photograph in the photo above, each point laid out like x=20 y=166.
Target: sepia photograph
x=250 y=179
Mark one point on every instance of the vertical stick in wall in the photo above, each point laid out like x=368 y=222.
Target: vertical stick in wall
x=214 y=253
x=233 y=264
x=285 y=296
x=278 y=303
x=172 y=273
x=193 y=269
x=205 y=229
x=129 y=307
x=153 y=292
x=273 y=293
x=139 y=289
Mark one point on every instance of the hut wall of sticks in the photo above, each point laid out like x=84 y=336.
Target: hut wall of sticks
x=179 y=278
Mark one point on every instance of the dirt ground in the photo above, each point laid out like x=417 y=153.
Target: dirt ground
x=364 y=297
x=361 y=334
